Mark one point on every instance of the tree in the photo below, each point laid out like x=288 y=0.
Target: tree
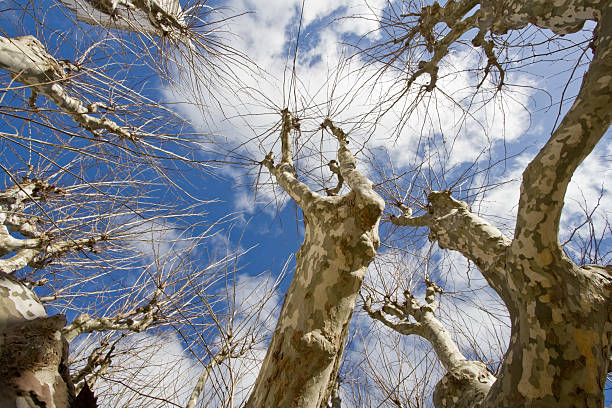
x=97 y=239
x=95 y=166
x=560 y=344
x=340 y=241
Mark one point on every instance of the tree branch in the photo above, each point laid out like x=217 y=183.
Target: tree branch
x=99 y=357
x=136 y=320
x=546 y=178
x=426 y=324
x=164 y=17
x=284 y=172
x=361 y=185
x=216 y=360
x=27 y=60
x=30 y=251
x=335 y=169
x=455 y=227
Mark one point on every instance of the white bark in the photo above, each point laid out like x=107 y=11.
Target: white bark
x=215 y=361
x=29 y=63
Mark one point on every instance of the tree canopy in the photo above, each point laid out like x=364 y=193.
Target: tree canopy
x=303 y=204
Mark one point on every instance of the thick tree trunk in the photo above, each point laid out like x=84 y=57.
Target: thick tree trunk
x=561 y=314
x=561 y=331
x=33 y=371
x=340 y=241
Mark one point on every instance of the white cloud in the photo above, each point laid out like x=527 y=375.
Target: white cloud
x=155 y=369
x=148 y=370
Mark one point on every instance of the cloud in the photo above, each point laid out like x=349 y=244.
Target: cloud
x=148 y=370
x=156 y=369
x=328 y=84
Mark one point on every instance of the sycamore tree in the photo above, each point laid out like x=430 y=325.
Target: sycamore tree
x=103 y=237
x=559 y=348
x=560 y=340
x=106 y=256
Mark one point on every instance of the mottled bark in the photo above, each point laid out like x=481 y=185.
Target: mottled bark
x=341 y=239
x=467 y=382
x=454 y=226
x=560 y=313
x=33 y=353
x=560 y=342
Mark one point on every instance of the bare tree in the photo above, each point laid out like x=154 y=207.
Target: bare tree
x=341 y=239
x=90 y=150
x=556 y=306
x=94 y=227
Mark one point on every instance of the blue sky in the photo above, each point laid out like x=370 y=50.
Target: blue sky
x=327 y=83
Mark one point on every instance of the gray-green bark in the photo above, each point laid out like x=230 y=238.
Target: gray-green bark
x=467 y=382
x=561 y=313
x=341 y=239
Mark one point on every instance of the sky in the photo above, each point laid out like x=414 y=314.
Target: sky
x=510 y=126
x=506 y=128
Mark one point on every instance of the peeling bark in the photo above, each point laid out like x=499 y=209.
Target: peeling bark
x=561 y=314
x=561 y=328
x=454 y=226
x=467 y=382
x=341 y=239
x=33 y=353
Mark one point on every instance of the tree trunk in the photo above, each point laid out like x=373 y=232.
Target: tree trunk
x=560 y=343
x=33 y=371
x=340 y=241
x=561 y=314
